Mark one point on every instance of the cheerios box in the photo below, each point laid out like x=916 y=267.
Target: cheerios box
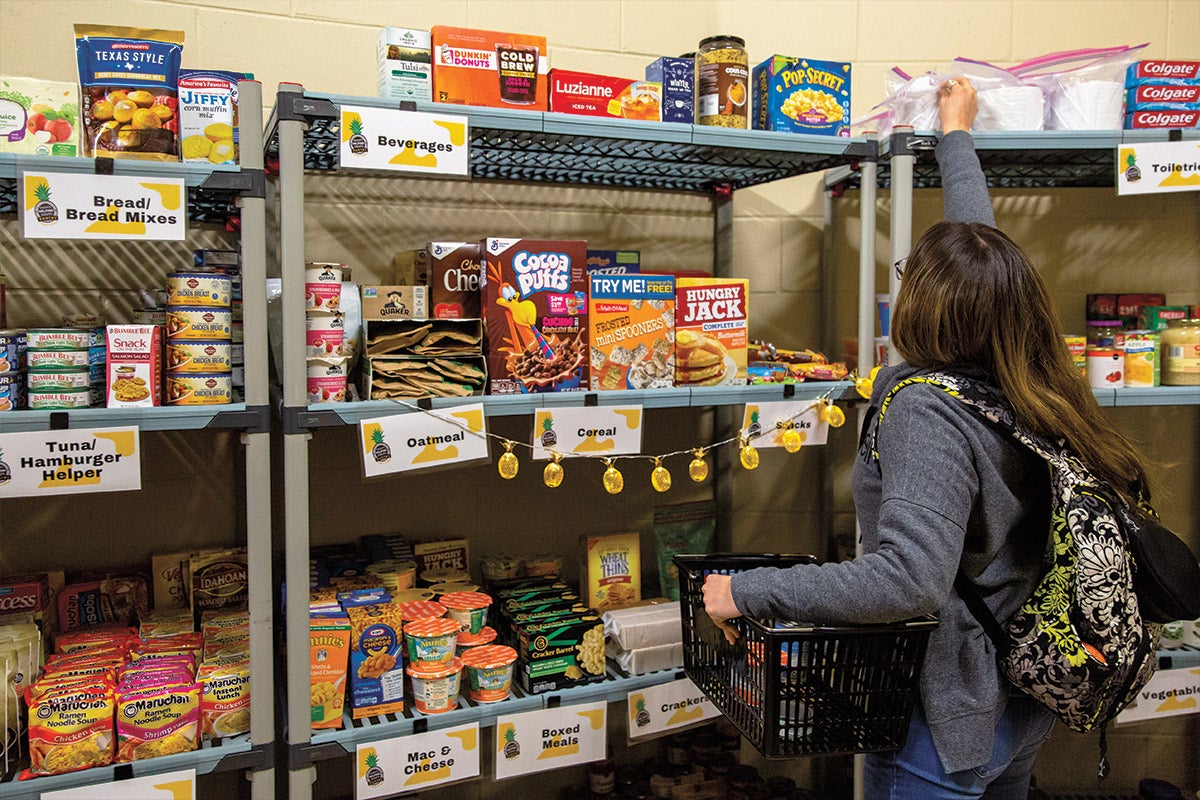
x=631 y=328
x=133 y=365
x=534 y=297
x=799 y=95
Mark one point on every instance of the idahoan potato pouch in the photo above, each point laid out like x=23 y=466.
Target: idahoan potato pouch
x=129 y=91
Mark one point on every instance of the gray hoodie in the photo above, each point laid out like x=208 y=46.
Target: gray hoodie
x=948 y=489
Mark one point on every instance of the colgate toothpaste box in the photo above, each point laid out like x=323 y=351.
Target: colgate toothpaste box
x=1163 y=118
x=1160 y=95
x=1162 y=72
x=489 y=68
x=604 y=96
x=133 y=365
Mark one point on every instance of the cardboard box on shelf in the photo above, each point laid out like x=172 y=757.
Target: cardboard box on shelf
x=678 y=79
x=376 y=660
x=455 y=278
x=604 y=96
x=435 y=560
x=711 y=331
x=614 y=262
x=134 y=365
x=169 y=582
x=405 y=68
x=329 y=655
x=411 y=268
x=489 y=68
x=612 y=570
x=39 y=117
x=385 y=377
x=800 y=95
x=631 y=328
x=382 y=303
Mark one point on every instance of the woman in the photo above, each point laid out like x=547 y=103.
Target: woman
x=949 y=490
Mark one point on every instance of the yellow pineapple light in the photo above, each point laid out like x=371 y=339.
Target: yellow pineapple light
x=698 y=469
x=831 y=415
x=553 y=474
x=792 y=439
x=507 y=465
x=614 y=481
x=749 y=455
x=660 y=479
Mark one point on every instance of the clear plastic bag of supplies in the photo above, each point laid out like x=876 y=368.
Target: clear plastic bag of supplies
x=1083 y=88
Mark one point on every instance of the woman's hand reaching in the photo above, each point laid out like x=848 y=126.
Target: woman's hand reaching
x=957 y=105
x=718 y=602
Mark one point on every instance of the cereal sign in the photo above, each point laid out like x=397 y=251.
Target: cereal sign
x=419 y=441
x=69 y=462
x=603 y=431
x=68 y=206
x=404 y=141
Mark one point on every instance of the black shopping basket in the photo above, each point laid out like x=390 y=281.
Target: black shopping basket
x=795 y=689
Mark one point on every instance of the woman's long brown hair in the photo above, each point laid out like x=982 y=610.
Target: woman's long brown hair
x=970 y=297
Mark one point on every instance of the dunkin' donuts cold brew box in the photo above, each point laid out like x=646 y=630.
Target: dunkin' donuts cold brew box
x=535 y=305
x=488 y=68
x=710 y=331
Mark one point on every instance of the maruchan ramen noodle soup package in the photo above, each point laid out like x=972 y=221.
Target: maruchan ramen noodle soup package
x=631 y=327
x=225 y=699
x=612 y=571
x=802 y=96
x=129 y=82
x=40 y=117
x=208 y=115
x=158 y=721
x=710 y=331
x=70 y=727
x=489 y=68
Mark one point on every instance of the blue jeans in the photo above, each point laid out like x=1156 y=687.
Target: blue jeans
x=915 y=772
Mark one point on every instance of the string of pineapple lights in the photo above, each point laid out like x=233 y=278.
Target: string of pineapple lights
x=508 y=465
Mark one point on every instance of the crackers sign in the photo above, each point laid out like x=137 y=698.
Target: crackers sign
x=1169 y=693
x=550 y=739
x=404 y=141
x=667 y=707
x=70 y=462
x=412 y=763
x=71 y=206
x=593 y=431
x=766 y=423
x=1159 y=167
x=178 y=785
x=420 y=441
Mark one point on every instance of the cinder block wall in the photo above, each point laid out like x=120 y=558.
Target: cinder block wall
x=1084 y=240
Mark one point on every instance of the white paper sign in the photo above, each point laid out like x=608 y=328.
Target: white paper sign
x=1158 y=167
x=406 y=442
x=178 y=785
x=1169 y=693
x=404 y=141
x=419 y=761
x=775 y=418
x=666 y=707
x=70 y=462
x=591 y=431
x=80 y=206
x=555 y=737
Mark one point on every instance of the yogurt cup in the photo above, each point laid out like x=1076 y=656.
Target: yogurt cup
x=404 y=596
x=435 y=687
x=489 y=672
x=431 y=640
x=420 y=609
x=468 y=609
x=322 y=338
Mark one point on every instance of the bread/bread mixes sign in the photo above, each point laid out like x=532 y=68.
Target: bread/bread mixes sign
x=69 y=462
x=69 y=206
x=404 y=141
x=420 y=441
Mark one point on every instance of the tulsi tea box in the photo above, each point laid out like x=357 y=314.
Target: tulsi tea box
x=535 y=305
x=631 y=328
x=404 y=64
x=454 y=279
x=711 y=317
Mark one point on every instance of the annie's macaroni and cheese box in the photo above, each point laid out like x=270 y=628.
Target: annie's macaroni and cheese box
x=631 y=330
x=329 y=655
x=800 y=95
x=133 y=365
x=489 y=68
x=710 y=331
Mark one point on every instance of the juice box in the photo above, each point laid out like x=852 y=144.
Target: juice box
x=454 y=279
x=710 y=331
x=802 y=96
x=612 y=570
x=133 y=365
x=40 y=117
x=489 y=68
x=329 y=654
x=208 y=116
x=631 y=327
x=405 y=68
x=376 y=660
x=535 y=304
x=678 y=79
x=604 y=96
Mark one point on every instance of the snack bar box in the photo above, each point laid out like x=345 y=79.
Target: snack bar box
x=489 y=68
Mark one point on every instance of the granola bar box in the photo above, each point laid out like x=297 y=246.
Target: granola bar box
x=631 y=330
x=534 y=295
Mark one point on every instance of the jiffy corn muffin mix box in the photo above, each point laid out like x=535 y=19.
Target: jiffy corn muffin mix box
x=631 y=327
x=799 y=95
x=710 y=331
x=208 y=116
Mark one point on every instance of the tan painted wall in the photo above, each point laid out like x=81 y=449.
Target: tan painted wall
x=1084 y=240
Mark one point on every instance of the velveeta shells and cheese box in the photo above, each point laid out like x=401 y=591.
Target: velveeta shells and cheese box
x=489 y=68
x=710 y=331
x=631 y=327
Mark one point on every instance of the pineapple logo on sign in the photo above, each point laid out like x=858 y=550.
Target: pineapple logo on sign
x=45 y=212
x=1133 y=173
x=357 y=140
x=377 y=448
x=369 y=768
x=5 y=472
x=549 y=437
x=643 y=716
x=511 y=748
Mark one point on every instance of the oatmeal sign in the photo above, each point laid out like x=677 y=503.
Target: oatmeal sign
x=70 y=462
x=405 y=442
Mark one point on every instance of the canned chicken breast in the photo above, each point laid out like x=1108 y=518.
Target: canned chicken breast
x=198 y=322
x=197 y=355
x=199 y=389
x=199 y=289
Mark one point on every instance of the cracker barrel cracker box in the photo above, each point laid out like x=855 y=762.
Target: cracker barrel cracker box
x=631 y=327
x=489 y=68
x=535 y=304
x=798 y=95
x=710 y=331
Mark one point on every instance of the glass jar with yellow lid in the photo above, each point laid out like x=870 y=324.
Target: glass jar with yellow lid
x=1181 y=353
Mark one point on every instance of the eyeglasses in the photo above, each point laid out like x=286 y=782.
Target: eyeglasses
x=899 y=267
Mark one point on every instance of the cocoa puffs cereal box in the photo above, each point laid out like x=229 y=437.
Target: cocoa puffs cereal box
x=710 y=331
x=631 y=330
x=489 y=68
x=534 y=297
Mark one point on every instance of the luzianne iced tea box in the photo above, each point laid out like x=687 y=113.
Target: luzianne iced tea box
x=711 y=331
x=489 y=68
x=631 y=328
x=604 y=96
x=535 y=306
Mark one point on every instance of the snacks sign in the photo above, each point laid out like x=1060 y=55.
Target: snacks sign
x=411 y=763
x=69 y=462
x=766 y=423
x=116 y=207
x=550 y=739
x=1158 y=167
x=668 y=707
x=608 y=430
x=420 y=441
x=404 y=141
